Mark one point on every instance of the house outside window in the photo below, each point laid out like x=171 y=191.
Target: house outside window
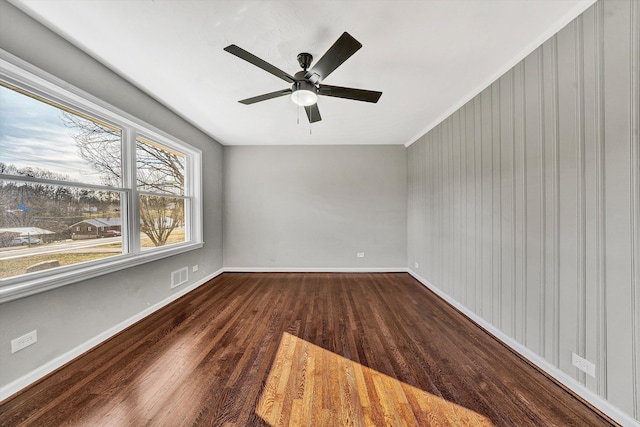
x=70 y=162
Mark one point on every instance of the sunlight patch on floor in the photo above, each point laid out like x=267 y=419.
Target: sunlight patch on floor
x=308 y=385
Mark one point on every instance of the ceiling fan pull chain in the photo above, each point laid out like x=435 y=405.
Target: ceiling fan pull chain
x=298 y=109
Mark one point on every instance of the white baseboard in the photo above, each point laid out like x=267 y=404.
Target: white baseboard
x=38 y=373
x=569 y=382
x=315 y=270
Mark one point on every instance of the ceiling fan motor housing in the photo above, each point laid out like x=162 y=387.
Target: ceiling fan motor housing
x=304 y=85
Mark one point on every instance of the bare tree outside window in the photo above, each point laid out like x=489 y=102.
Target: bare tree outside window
x=160 y=216
x=99 y=145
x=159 y=171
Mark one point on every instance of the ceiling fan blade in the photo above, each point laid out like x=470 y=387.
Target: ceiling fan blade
x=266 y=96
x=249 y=57
x=350 y=93
x=313 y=114
x=341 y=50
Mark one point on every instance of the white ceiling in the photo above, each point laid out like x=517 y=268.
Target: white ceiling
x=427 y=57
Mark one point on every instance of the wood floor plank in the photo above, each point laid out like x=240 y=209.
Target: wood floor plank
x=300 y=349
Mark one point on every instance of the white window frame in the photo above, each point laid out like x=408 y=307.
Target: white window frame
x=25 y=76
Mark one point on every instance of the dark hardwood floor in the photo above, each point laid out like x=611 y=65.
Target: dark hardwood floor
x=300 y=349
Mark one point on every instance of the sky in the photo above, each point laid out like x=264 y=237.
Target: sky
x=32 y=133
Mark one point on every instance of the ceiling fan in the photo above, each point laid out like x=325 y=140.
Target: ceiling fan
x=306 y=84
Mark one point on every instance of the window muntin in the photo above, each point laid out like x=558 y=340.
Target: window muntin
x=27 y=80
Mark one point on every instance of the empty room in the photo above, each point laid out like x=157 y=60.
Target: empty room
x=336 y=213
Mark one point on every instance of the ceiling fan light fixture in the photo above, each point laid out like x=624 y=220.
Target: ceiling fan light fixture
x=304 y=97
x=303 y=93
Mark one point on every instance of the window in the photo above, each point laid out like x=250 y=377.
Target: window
x=160 y=180
x=95 y=189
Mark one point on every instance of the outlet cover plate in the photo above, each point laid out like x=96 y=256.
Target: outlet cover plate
x=24 y=341
x=583 y=364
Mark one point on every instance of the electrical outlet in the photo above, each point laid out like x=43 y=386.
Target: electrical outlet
x=360 y=254
x=24 y=341
x=583 y=364
x=417 y=265
x=194 y=268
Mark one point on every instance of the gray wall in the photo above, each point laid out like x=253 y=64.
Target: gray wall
x=524 y=205
x=69 y=316
x=315 y=207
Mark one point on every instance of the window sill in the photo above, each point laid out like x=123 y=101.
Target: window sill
x=45 y=280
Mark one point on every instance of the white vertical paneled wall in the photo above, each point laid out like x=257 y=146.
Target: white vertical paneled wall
x=524 y=205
